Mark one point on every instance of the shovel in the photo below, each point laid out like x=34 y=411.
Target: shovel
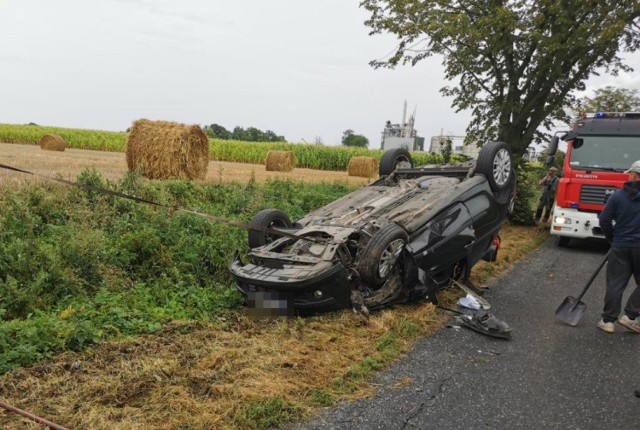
x=571 y=309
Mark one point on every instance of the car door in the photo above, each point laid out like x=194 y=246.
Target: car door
x=485 y=219
x=444 y=240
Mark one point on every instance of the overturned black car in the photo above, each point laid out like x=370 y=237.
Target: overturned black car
x=402 y=237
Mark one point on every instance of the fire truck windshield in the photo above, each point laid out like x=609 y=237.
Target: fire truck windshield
x=606 y=153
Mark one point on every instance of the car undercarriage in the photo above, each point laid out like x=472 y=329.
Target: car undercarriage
x=402 y=237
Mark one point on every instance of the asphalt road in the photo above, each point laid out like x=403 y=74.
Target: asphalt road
x=549 y=376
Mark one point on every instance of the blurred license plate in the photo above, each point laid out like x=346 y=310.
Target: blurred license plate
x=269 y=304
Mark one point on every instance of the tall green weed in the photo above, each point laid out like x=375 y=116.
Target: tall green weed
x=78 y=267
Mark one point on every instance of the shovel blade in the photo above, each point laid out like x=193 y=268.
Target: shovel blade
x=571 y=310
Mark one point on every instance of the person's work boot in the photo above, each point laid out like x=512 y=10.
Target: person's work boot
x=607 y=327
x=629 y=324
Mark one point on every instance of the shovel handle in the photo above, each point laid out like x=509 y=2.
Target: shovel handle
x=590 y=281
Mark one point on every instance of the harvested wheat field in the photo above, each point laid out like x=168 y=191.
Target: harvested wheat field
x=113 y=165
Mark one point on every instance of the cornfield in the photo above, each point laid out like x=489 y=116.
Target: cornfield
x=307 y=156
x=74 y=138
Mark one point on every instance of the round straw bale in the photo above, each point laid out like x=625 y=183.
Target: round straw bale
x=365 y=167
x=52 y=142
x=162 y=150
x=280 y=161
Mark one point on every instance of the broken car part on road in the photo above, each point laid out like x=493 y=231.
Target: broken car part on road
x=472 y=313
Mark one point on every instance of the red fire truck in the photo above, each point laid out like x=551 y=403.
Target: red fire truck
x=599 y=149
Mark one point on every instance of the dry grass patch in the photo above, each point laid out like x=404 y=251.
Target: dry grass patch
x=233 y=374
x=517 y=242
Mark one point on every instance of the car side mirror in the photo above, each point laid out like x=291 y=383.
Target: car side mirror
x=550 y=159
x=553 y=145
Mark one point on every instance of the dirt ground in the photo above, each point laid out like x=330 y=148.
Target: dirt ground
x=113 y=165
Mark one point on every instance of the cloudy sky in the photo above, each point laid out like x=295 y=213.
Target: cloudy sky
x=297 y=67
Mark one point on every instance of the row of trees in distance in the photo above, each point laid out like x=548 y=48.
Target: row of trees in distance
x=251 y=134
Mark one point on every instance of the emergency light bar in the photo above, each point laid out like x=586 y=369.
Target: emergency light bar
x=598 y=115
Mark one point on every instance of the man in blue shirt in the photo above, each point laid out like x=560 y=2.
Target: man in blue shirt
x=620 y=223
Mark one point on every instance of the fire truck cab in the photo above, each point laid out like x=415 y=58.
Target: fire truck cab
x=599 y=149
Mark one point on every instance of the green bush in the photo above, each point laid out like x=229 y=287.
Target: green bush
x=527 y=194
x=78 y=267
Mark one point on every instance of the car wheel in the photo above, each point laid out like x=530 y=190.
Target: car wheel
x=494 y=162
x=563 y=241
x=506 y=196
x=393 y=159
x=381 y=254
x=267 y=218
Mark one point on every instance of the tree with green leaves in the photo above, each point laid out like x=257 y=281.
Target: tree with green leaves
x=446 y=150
x=349 y=138
x=217 y=131
x=610 y=99
x=517 y=63
x=252 y=134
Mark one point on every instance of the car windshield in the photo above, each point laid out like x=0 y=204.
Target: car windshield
x=606 y=153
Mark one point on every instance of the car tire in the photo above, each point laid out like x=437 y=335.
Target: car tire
x=563 y=241
x=507 y=194
x=381 y=254
x=267 y=218
x=494 y=162
x=394 y=158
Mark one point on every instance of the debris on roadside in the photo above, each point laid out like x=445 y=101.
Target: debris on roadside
x=473 y=313
x=485 y=323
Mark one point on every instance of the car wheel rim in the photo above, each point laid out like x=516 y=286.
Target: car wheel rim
x=389 y=257
x=403 y=163
x=501 y=167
